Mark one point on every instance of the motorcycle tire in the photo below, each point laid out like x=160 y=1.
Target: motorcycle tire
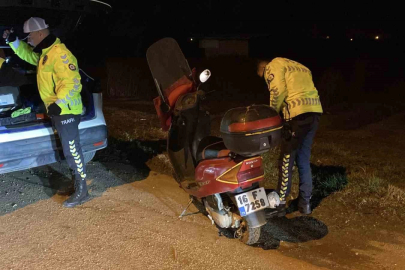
x=250 y=236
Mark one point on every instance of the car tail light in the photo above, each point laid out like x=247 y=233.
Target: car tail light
x=250 y=170
x=98 y=144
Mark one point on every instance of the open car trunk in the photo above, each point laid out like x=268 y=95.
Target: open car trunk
x=21 y=105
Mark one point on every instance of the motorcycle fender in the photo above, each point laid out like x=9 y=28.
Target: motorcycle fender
x=256 y=219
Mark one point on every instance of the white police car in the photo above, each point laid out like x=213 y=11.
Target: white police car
x=26 y=136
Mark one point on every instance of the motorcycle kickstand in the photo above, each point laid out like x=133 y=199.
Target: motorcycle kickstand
x=185 y=209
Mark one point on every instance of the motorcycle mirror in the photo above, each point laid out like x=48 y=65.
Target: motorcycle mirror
x=205 y=75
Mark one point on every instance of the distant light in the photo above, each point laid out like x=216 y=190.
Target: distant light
x=327 y=37
x=351 y=39
x=377 y=37
x=191 y=39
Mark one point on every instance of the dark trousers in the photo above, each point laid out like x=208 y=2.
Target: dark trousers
x=296 y=147
x=68 y=131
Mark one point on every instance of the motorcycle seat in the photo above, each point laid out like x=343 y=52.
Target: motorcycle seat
x=211 y=147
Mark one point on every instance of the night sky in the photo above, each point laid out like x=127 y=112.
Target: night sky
x=294 y=20
x=207 y=17
x=293 y=29
x=136 y=25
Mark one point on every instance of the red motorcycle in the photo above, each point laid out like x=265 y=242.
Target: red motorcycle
x=220 y=174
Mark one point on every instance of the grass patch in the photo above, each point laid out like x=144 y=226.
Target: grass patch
x=327 y=180
x=373 y=177
x=375 y=184
x=328 y=153
x=131 y=125
x=396 y=194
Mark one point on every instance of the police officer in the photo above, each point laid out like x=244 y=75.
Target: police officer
x=59 y=86
x=292 y=91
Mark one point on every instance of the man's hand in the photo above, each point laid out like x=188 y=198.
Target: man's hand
x=9 y=35
x=54 y=109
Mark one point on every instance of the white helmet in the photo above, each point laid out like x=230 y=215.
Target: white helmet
x=34 y=24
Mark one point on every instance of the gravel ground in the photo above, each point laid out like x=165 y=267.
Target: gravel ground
x=131 y=222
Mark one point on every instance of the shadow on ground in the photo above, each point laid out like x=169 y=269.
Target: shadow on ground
x=53 y=181
x=294 y=230
x=125 y=158
x=326 y=180
x=22 y=188
x=120 y=163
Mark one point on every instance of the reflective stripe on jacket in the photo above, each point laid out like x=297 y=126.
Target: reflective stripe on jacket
x=291 y=88
x=58 y=76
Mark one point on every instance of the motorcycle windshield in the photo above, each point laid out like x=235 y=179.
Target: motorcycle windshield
x=167 y=63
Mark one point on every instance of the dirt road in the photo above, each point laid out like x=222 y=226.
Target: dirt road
x=128 y=226
x=132 y=221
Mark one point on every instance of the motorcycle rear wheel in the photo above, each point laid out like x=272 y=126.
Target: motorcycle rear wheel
x=245 y=234
x=250 y=236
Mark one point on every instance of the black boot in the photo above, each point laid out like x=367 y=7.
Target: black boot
x=304 y=207
x=81 y=194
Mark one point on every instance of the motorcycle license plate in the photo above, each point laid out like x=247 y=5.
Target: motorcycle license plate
x=252 y=201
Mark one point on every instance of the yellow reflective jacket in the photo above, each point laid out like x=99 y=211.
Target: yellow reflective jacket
x=58 y=76
x=291 y=88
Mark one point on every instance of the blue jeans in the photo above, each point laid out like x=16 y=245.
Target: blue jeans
x=296 y=146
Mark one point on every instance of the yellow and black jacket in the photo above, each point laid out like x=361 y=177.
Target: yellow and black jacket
x=291 y=88
x=58 y=76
